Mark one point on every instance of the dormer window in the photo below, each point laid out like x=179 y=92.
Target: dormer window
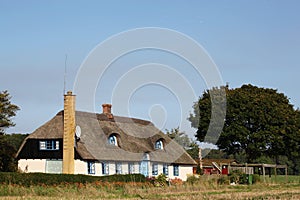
x=112 y=139
x=159 y=144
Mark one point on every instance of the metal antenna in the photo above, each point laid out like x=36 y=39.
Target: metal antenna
x=65 y=74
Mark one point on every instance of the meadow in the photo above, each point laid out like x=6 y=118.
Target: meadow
x=203 y=188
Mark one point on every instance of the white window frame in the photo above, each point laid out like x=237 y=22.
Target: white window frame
x=91 y=167
x=159 y=144
x=49 y=145
x=176 y=170
x=131 y=168
x=112 y=139
x=154 y=169
x=166 y=169
x=105 y=168
x=118 y=168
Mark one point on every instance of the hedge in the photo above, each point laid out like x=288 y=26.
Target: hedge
x=28 y=179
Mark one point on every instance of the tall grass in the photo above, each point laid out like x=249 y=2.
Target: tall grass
x=205 y=187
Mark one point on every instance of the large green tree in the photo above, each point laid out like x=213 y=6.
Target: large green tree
x=7 y=111
x=258 y=122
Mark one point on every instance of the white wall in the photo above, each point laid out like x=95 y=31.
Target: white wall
x=184 y=172
x=32 y=165
x=39 y=165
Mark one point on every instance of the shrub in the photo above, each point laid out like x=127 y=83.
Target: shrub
x=28 y=179
x=235 y=176
x=255 y=178
x=176 y=181
x=160 y=180
x=223 y=180
x=192 y=179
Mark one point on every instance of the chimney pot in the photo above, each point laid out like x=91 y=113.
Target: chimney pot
x=69 y=93
x=106 y=108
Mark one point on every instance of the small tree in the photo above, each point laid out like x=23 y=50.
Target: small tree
x=7 y=110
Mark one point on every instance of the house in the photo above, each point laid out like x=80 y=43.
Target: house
x=76 y=142
x=217 y=166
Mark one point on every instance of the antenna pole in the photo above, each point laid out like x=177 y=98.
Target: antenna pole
x=65 y=74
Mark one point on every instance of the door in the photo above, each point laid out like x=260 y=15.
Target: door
x=145 y=168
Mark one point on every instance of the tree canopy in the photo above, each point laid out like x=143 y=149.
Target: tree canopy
x=259 y=122
x=182 y=139
x=7 y=111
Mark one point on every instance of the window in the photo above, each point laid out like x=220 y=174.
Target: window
x=105 y=168
x=42 y=145
x=130 y=168
x=118 y=168
x=159 y=144
x=49 y=145
x=154 y=169
x=165 y=169
x=91 y=167
x=176 y=170
x=113 y=140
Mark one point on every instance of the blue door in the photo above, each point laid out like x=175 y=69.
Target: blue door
x=144 y=168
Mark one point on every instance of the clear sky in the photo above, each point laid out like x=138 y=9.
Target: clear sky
x=255 y=42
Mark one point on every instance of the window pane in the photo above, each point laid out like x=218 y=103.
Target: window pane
x=91 y=167
x=130 y=168
x=154 y=169
x=165 y=169
x=57 y=145
x=105 y=168
x=42 y=145
x=176 y=170
x=118 y=168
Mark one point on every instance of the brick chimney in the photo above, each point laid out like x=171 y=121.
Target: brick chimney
x=69 y=131
x=106 y=109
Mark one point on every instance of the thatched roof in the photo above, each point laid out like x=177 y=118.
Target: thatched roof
x=135 y=138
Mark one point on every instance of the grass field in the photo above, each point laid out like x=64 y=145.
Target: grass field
x=205 y=188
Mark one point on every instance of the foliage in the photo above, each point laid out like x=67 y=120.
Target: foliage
x=223 y=180
x=182 y=139
x=29 y=179
x=9 y=145
x=236 y=177
x=192 y=179
x=179 y=137
x=259 y=122
x=161 y=180
x=7 y=110
x=176 y=181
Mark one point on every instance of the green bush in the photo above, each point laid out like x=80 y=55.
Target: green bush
x=160 y=180
x=192 y=180
x=255 y=178
x=223 y=180
x=28 y=179
x=235 y=176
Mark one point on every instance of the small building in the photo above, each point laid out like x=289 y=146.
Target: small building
x=75 y=142
x=217 y=166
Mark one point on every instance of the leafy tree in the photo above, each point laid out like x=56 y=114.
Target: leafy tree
x=258 y=122
x=9 y=145
x=182 y=139
x=179 y=137
x=7 y=110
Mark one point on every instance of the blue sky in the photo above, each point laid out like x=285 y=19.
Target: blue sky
x=255 y=42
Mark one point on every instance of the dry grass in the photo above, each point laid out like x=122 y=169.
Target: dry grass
x=203 y=189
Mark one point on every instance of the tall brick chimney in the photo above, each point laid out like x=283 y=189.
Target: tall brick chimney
x=106 y=109
x=69 y=131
